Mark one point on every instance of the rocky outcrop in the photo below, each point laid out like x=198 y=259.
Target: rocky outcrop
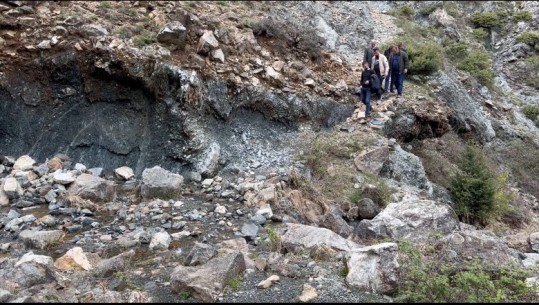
x=410 y=219
x=406 y=168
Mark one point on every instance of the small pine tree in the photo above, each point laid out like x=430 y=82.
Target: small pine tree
x=474 y=187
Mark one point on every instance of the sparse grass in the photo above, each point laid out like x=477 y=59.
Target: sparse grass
x=104 y=4
x=273 y=240
x=126 y=280
x=344 y=271
x=426 y=275
x=381 y=193
x=144 y=38
x=356 y=196
x=185 y=295
x=235 y=283
x=404 y=11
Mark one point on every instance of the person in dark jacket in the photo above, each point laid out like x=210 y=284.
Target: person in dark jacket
x=398 y=67
x=369 y=53
x=387 y=53
x=366 y=83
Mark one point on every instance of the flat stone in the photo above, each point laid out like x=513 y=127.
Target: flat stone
x=124 y=172
x=74 y=259
x=40 y=239
x=63 y=178
x=268 y=282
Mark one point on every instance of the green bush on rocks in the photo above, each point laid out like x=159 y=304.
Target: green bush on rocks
x=478 y=64
x=486 y=20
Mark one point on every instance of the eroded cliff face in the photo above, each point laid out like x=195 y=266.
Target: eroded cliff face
x=105 y=111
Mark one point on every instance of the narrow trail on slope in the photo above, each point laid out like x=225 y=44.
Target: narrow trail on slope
x=384 y=28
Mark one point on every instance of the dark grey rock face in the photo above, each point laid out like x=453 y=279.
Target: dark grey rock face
x=110 y=113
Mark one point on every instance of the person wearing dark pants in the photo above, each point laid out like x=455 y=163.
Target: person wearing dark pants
x=365 y=83
x=398 y=67
x=387 y=54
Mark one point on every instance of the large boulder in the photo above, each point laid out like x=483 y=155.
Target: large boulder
x=90 y=187
x=374 y=268
x=481 y=244
x=334 y=221
x=371 y=161
x=406 y=168
x=207 y=281
x=447 y=22
x=158 y=182
x=29 y=271
x=173 y=33
x=207 y=43
x=208 y=162
x=298 y=236
x=12 y=188
x=411 y=219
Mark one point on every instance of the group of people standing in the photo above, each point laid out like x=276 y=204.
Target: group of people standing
x=382 y=72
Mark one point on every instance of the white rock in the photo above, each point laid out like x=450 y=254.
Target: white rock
x=219 y=55
x=74 y=259
x=160 y=241
x=24 y=163
x=220 y=209
x=309 y=293
x=45 y=44
x=124 y=172
x=268 y=282
x=80 y=167
x=207 y=182
x=63 y=178
x=12 y=188
x=38 y=259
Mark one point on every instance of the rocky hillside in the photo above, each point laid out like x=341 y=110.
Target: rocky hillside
x=192 y=151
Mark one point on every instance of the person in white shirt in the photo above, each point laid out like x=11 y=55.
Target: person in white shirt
x=381 y=67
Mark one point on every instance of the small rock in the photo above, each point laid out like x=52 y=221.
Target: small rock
x=160 y=241
x=218 y=55
x=249 y=230
x=74 y=259
x=124 y=172
x=268 y=282
x=309 y=293
x=44 y=45
x=24 y=163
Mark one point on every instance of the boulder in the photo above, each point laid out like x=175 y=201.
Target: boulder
x=63 y=178
x=207 y=281
x=55 y=164
x=373 y=269
x=481 y=244
x=298 y=236
x=371 y=161
x=107 y=267
x=4 y=199
x=160 y=241
x=12 y=188
x=200 y=254
x=158 y=182
x=40 y=239
x=530 y=260
x=90 y=187
x=446 y=21
x=208 y=162
x=367 y=209
x=207 y=43
x=333 y=220
x=406 y=168
x=218 y=55
x=124 y=173
x=30 y=257
x=74 y=259
x=24 y=163
x=533 y=240
x=411 y=219
x=173 y=33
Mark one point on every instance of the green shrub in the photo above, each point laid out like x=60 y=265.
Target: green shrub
x=144 y=38
x=424 y=278
x=475 y=189
x=479 y=34
x=427 y=10
x=184 y=294
x=105 y=4
x=235 y=283
x=424 y=58
x=403 y=11
x=503 y=14
x=531 y=38
x=456 y=50
x=486 y=20
x=452 y=9
x=532 y=67
x=478 y=64
x=522 y=16
x=532 y=113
